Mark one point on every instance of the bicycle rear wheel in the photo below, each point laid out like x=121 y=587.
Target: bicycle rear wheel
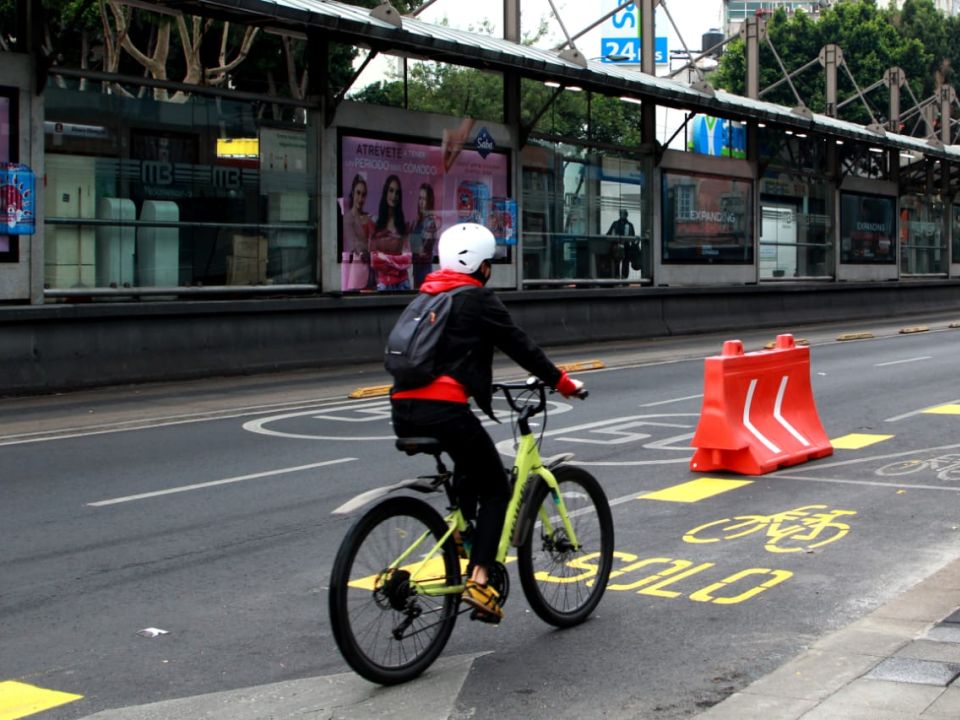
x=563 y=583
x=387 y=631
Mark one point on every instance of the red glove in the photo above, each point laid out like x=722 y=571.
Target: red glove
x=567 y=386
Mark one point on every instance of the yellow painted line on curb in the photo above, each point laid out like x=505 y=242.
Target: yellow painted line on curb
x=370 y=391
x=583 y=365
x=948 y=409
x=382 y=390
x=18 y=700
x=855 y=336
x=857 y=441
x=695 y=490
x=797 y=341
x=917 y=329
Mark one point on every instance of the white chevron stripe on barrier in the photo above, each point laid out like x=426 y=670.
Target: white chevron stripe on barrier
x=781 y=419
x=749 y=425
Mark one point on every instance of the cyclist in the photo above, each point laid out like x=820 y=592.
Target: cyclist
x=478 y=322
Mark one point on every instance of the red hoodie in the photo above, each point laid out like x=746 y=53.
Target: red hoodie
x=444 y=388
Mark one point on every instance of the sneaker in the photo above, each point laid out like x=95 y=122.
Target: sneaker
x=484 y=600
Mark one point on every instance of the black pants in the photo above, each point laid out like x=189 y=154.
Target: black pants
x=478 y=469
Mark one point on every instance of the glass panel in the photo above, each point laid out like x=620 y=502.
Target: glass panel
x=956 y=232
x=707 y=219
x=867 y=227
x=396 y=197
x=922 y=248
x=150 y=193
x=583 y=215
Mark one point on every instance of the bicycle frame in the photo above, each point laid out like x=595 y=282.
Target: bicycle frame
x=528 y=465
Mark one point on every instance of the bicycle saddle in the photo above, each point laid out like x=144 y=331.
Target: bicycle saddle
x=414 y=445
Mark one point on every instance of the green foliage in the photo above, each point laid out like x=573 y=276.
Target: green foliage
x=916 y=38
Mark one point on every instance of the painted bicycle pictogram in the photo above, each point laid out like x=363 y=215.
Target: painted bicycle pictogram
x=947 y=467
x=801 y=529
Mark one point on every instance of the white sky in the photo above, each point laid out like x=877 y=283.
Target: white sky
x=693 y=17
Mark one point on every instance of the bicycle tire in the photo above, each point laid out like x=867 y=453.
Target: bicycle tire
x=553 y=577
x=367 y=607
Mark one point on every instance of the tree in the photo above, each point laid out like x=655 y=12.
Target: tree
x=915 y=38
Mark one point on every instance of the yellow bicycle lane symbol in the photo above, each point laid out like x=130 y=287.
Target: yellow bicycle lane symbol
x=796 y=530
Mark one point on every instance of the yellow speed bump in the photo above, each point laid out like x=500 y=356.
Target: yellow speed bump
x=855 y=336
x=916 y=329
x=583 y=365
x=370 y=391
x=797 y=341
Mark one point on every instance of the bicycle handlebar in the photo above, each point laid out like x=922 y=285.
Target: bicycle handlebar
x=530 y=385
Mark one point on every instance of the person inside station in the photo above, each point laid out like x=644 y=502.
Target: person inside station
x=621 y=228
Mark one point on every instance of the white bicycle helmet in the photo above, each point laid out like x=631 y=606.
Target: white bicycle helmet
x=464 y=247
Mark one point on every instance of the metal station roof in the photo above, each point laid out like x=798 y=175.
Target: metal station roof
x=416 y=38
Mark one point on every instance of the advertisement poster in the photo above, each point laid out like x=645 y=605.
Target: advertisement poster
x=397 y=197
x=707 y=219
x=867 y=229
x=4 y=157
x=16 y=200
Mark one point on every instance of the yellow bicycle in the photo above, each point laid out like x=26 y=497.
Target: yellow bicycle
x=398 y=576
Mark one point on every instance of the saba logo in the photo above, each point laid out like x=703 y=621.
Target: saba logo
x=484 y=142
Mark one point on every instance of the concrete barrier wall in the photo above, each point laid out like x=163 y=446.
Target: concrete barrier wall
x=64 y=347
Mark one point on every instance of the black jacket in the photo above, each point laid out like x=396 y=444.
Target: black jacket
x=478 y=323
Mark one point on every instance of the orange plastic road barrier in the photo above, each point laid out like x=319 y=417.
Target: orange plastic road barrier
x=758 y=412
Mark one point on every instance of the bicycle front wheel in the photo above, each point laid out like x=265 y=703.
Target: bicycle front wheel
x=563 y=581
x=387 y=624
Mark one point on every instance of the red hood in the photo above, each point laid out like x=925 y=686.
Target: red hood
x=443 y=280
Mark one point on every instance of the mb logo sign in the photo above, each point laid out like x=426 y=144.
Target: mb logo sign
x=621 y=38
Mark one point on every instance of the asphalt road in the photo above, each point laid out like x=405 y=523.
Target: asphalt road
x=204 y=509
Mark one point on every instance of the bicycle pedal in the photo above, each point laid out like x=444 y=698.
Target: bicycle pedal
x=483 y=617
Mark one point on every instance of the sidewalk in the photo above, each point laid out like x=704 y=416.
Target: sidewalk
x=901 y=661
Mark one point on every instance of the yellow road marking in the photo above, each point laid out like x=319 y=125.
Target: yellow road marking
x=18 y=700
x=796 y=341
x=915 y=329
x=382 y=390
x=370 y=391
x=695 y=490
x=856 y=441
x=855 y=336
x=583 y=365
x=949 y=409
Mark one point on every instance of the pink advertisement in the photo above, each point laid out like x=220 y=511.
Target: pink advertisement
x=397 y=197
x=4 y=156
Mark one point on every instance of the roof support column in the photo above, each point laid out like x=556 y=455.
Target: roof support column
x=947 y=97
x=645 y=11
x=831 y=57
x=752 y=32
x=894 y=78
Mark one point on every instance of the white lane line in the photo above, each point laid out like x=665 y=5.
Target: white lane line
x=922 y=410
x=901 y=362
x=213 y=483
x=673 y=400
x=185 y=419
x=872 y=483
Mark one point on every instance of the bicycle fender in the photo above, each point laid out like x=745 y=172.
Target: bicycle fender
x=365 y=498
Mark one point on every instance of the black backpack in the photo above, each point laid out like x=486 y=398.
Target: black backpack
x=412 y=344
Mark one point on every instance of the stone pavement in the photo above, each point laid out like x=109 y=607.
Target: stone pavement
x=901 y=661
